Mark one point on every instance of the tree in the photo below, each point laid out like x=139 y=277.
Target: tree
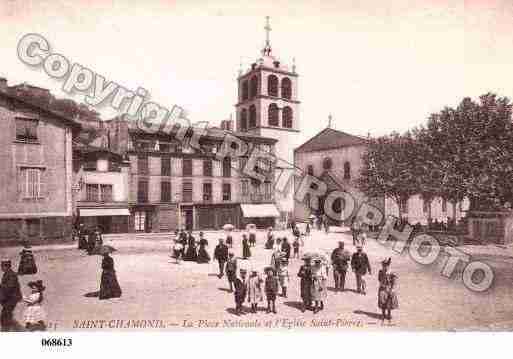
x=472 y=147
x=388 y=168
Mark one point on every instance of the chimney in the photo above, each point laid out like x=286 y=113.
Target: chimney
x=3 y=84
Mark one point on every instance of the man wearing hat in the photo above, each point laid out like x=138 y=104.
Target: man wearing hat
x=10 y=295
x=360 y=265
x=305 y=273
x=221 y=255
x=231 y=270
x=240 y=285
x=340 y=258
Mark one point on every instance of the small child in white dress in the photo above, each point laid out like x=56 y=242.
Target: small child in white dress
x=34 y=315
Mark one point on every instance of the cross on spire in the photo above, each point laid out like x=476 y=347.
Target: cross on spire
x=267 y=48
x=330 y=117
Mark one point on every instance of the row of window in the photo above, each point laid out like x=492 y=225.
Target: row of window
x=165 y=163
x=187 y=193
x=98 y=192
x=273 y=117
x=327 y=165
x=250 y=88
x=187 y=164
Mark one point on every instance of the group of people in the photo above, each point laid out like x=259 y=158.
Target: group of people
x=188 y=249
x=90 y=240
x=10 y=295
x=248 y=285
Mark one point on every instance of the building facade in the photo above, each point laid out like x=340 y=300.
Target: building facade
x=173 y=185
x=101 y=183
x=36 y=179
x=335 y=158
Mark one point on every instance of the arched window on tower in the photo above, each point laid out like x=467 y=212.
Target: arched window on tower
x=272 y=85
x=244 y=120
x=245 y=90
x=272 y=115
x=252 y=116
x=253 y=87
x=286 y=88
x=347 y=170
x=287 y=117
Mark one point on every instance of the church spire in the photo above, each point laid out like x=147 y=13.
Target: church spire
x=267 y=48
x=330 y=117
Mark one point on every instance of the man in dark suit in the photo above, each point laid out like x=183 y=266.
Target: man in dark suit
x=221 y=255
x=10 y=295
x=240 y=291
x=360 y=265
x=340 y=258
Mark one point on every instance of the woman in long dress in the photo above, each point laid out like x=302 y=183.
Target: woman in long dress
x=109 y=286
x=203 y=256
x=191 y=254
x=27 y=262
x=318 y=288
x=246 y=252
x=35 y=315
x=387 y=296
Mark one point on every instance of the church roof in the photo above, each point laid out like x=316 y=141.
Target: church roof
x=329 y=139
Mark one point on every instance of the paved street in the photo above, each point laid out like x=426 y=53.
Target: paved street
x=156 y=289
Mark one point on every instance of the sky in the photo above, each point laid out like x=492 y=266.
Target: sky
x=376 y=66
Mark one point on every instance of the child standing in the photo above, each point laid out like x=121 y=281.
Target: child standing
x=283 y=276
x=35 y=315
x=254 y=290
x=295 y=245
x=271 y=290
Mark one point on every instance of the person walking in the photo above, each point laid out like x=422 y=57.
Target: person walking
x=285 y=248
x=295 y=246
x=27 y=262
x=252 y=237
x=34 y=314
x=109 y=286
x=339 y=259
x=82 y=236
x=91 y=242
x=221 y=255
x=269 y=243
x=307 y=230
x=203 y=256
x=240 y=292
x=361 y=266
x=246 y=251
x=229 y=240
x=254 y=290
x=271 y=290
x=387 y=296
x=355 y=230
x=191 y=253
x=231 y=270
x=283 y=276
x=318 y=287
x=305 y=273
x=10 y=295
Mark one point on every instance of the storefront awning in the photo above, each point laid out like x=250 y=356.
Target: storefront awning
x=97 y=212
x=259 y=210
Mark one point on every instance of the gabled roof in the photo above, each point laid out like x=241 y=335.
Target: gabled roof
x=330 y=139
